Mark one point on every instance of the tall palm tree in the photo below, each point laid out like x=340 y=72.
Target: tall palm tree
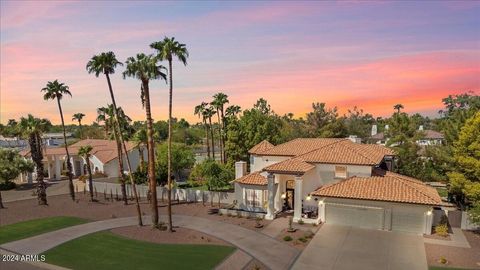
x=145 y=68
x=56 y=90
x=84 y=152
x=166 y=50
x=398 y=107
x=78 y=117
x=208 y=113
x=32 y=129
x=200 y=111
x=107 y=115
x=232 y=110
x=219 y=101
x=106 y=63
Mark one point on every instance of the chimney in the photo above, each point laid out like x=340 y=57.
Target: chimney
x=354 y=139
x=374 y=130
x=240 y=169
x=420 y=127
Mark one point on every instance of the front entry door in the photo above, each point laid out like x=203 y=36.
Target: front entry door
x=290 y=199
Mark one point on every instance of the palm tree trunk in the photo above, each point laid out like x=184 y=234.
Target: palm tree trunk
x=134 y=188
x=169 y=152
x=36 y=151
x=213 y=139
x=142 y=159
x=1 y=201
x=223 y=135
x=120 y=167
x=90 y=178
x=151 y=157
x=208 y=139
x=81 y=131
x=69 y=164
x=220 y=136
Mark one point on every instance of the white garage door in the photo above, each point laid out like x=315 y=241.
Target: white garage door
x=357 y=216
x=408 y=222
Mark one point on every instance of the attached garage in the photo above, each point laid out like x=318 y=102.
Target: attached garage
x=354 y=215
x=408 y=222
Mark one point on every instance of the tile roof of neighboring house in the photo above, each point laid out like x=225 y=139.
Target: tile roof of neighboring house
x=382 y=186
x=290 y=166
x=299 y=146
x=254 y=178
x=261 y=147
x=348 y=152
x=103 y=150
x=432 y=134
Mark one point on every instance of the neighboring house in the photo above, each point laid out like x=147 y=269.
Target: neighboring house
x=104 y=159
x=12 y=143
x=430 y=137
x=334 y=181
x=56 y=139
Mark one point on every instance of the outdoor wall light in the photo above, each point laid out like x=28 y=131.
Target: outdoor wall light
x=429 y=212
x=283 y=196
x=309 y=198
x=320 y=202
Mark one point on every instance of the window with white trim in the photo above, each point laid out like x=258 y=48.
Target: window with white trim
x=255 y=198
x=340 y=171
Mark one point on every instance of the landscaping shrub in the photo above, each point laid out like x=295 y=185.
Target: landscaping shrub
x=308 y=234
x=301 y=222
x=302 y=239
x=7 y=185
x=443 y=260
x=287 y=238
x=442 y=230
x=96 y=175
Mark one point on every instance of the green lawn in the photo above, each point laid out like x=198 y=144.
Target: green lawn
x=25 y=229
x=444 y=268
x=105 y=250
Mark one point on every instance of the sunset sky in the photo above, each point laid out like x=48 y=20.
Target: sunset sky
x=369 y=54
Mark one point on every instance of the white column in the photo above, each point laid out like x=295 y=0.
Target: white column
x=49 y=168
x=58 y=168
x=321 y=211
x=428 y=222
x=271 y=197
x=73 y=166
x=297 y=212
x=279 y=190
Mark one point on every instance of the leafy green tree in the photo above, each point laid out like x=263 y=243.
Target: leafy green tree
x=322 y=122
x=215 y=175
x=106 y=63
x=358 y=123
x=11 y=166
x=182 y=158
x=56 y=90
x=32 y=129
x=145 y=68
x=85 y=152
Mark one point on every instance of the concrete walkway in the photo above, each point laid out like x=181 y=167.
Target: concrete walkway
x=342 y=247
x=272 y=253
x=237 y=261
x=275 y=227
x=458 y=239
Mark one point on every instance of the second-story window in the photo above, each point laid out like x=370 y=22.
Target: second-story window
x=340 y=171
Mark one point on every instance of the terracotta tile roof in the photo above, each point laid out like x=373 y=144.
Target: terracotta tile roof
x=261 y=147
x=290 y=166
x=104 y=150
x=300 y=146
x=382 y=186
x=348 y=152
x=254 y=178
x=432 y=134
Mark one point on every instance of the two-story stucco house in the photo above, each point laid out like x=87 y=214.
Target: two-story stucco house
x=334 y=181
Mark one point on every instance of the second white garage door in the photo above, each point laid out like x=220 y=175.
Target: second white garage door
x=357 y=216
x=408 y=222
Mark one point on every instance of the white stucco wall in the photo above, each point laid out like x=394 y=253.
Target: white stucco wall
x=111 y=167
x=260 y=162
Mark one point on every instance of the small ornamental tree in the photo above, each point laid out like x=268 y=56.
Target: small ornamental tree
x=11 y=166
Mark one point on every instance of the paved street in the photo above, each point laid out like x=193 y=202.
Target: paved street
x=341 y=248
x=26 y=191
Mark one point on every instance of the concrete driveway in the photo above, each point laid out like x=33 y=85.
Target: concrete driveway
x=337 y=247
